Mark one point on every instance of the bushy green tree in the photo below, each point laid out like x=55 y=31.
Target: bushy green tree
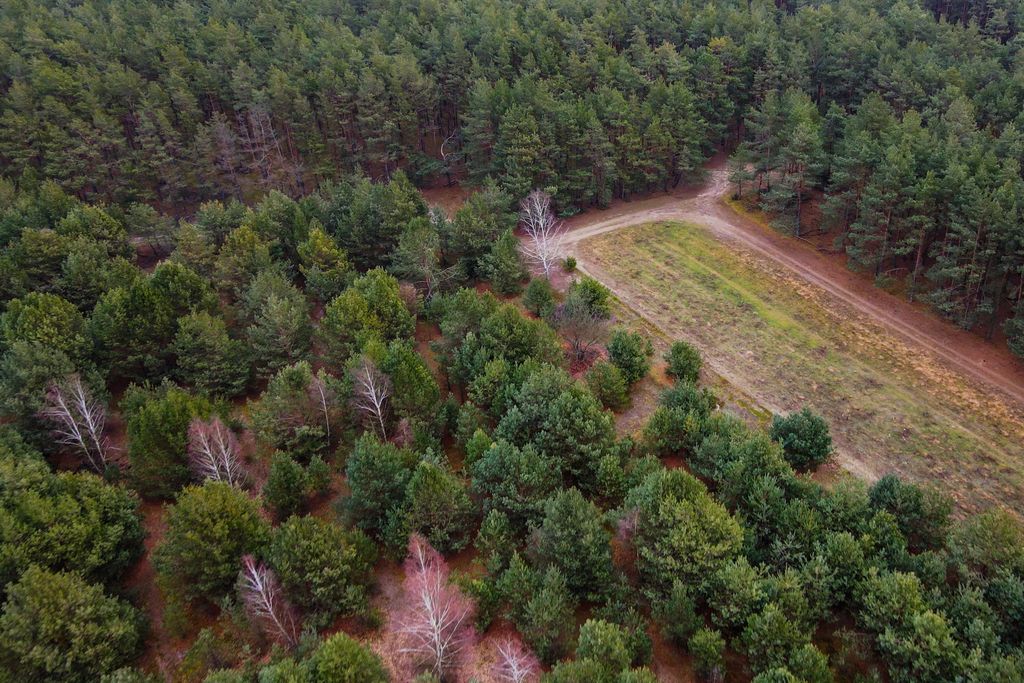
x=133 y=325
x=805 y=439
x=378 y=475
x=631 y=353
x=57 y=627
x=683 y=361
x=324 y=568
x=563 y=420
x=415 y=393
x=287 y=485
x=594 y=296
x=64 y=522
x=157 y=426
x=681 y=532
x=209 y=529
x=207 y=359
x=323 y=264
x=608 y=385
x=301 y=412
x=343 y=660
x=438 y=506
x=573 y=538
x=708 y=647
x=503 y=265
x=770 y=637
x=280 y=331
x=514 y=481
x=371 y=308
x=40 y=318
x=539 y=297
x=604 y=643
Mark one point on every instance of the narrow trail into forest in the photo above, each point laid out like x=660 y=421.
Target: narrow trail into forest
x=704 y=205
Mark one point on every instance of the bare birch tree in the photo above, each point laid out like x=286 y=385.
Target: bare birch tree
x=213 y=452
x=371 y=394
x=265 y=602
x=436 y=626
x=544 y=232
x=323 y=396
x=515 y=663
x=79 y=420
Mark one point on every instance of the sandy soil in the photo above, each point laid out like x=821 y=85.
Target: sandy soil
x=960 y=350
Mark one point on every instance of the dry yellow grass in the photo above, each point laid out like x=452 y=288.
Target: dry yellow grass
x=787 y=343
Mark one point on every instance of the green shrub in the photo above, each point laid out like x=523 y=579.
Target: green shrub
x=157 y=426
x=608 y=385
x=324 y=568
x=539 y=297
x=707 y=647
x=209 y=529
x=684 y=362
x=56 y=627
x=805 y=439
x=631 y=352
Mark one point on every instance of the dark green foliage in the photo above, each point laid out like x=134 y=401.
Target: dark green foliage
x=563 y=421
x=280 y=331
x=378 y=475
x=677 y=614
x=57 y=627
x=683 y=361
x=707 y=647
x=604 y=643
x=438 y=506
x=207 y=359
x=541 y=607
x=631 y=352
x=415 y=391
x=595 y=297
x=287 y=486
x=324 y=568
x=805 y=439
x=343 y=660
x=608 y=385
x=681 y=532
x=514 y=481
x=503 y=265
x=63 y=522
x=301 y=413
x=133 y=325
x=323 y=264
x=539 y=297
x=573 y=538
x=209 y=529
x=922 y=513
x=770 y=637
x=371 y=308
x=157 y=426
x=48 y=319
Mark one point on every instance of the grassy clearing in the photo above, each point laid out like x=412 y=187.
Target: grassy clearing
x=786 y=343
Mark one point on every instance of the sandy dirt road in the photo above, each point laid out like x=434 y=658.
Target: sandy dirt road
x=959 y=350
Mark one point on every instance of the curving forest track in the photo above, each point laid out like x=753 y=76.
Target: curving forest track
x=959 y=350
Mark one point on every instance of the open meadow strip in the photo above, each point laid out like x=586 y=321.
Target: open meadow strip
x=788 y=343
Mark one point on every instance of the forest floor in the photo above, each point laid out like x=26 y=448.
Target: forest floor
x=783 y=325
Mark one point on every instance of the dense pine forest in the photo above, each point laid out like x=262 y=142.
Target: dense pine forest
x=267 y=416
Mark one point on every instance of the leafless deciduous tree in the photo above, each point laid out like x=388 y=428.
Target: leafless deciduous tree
x=261 y=593
x=213 y=452
x=580 y=326
x=371 y=394
x=544 y=232
x=515 y=663
x=78 y=419
x=436 y=626
x=323 y=396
